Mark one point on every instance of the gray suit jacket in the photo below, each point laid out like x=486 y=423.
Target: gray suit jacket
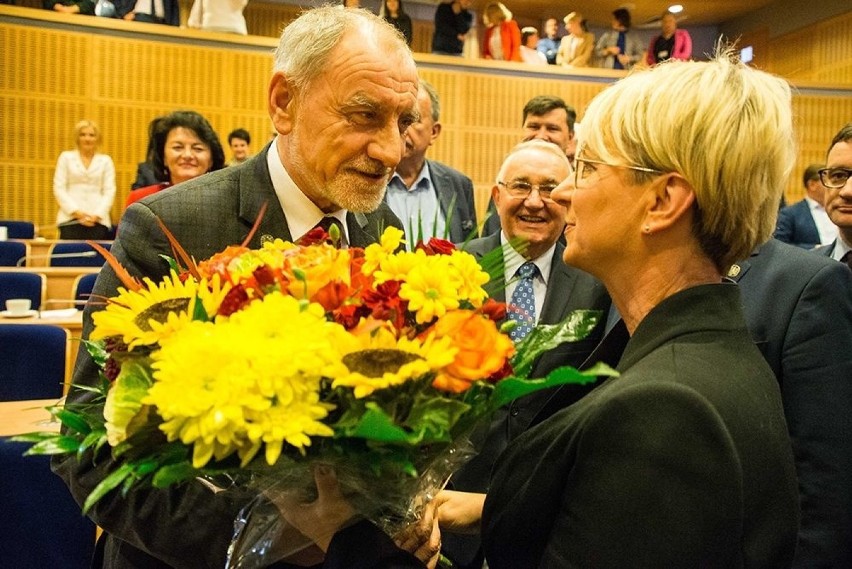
x=452 y=184
x=188 y=526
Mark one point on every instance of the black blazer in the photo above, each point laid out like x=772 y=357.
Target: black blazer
x=796 y=226
x=568 y=289
x=187 y=526
x=682 y=461
x=798 y=306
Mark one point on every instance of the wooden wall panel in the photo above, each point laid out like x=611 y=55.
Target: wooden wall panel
x=821 y=52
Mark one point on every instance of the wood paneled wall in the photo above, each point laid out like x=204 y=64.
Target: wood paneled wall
x=51 y=77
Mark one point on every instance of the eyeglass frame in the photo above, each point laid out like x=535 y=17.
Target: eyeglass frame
x=824 y=173
x=577 y=168
x=537 y=187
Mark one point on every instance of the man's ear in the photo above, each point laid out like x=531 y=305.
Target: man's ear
x=436 y=131
x=673 y=200
x=495 y=194
x=282 y=104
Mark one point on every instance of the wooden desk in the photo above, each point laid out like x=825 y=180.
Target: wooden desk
x=60 y=282
x=18 y=417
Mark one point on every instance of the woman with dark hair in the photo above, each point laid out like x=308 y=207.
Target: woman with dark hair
x=619 y=47
x=185 y=146
x=393 y=13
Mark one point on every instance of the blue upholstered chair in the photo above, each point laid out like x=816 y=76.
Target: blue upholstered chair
x=35 y=362
x=41 y=525
x=18 y=229
x=11 y=252
x=76 y=254
x=83 y=286
x=23 y=285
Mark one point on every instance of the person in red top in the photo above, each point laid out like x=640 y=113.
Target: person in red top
x=506 y=44
x=185 y=147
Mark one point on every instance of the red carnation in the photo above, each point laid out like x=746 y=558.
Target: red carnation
x=437 y=246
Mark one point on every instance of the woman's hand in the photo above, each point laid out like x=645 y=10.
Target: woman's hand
x=459 y=512
x=321 y=519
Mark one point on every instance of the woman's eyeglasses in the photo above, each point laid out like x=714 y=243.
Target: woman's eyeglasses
x=585 y=167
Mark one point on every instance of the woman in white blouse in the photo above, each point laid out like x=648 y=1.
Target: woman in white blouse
x=84 y=186
x=218 y=16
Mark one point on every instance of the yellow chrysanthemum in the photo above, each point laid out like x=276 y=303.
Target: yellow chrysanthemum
x=146 y=316
x=374 y=254
x=472 y=277
x=431 y=288
x=249 y=381
x=381 y=361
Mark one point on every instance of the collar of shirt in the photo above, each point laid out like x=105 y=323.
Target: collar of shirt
x=840 y=248
x=301 y=213
x=423 y=181
x=813 y=204
x=512 y=261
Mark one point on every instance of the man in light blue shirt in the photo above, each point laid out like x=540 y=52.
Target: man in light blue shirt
x=430 y=198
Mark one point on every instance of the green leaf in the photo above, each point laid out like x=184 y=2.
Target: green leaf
x=59 y=444
x=72 y=420
x=97 y=351
x=173 y=473
x=544 y=337
x=172 y=263
x=511 y=388
x=96 y=438
x=376 y=425
x=113 y=480
x=33 y=437
x=433 y=418
x=200 y=313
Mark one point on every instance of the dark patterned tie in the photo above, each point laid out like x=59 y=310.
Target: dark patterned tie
x=522 y=304
x=847 y=258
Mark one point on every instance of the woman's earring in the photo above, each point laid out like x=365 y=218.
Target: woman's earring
x=648 y=229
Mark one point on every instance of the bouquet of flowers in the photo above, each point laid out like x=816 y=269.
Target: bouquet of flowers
x=253 y=366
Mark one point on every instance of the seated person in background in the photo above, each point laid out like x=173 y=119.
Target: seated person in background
x=806 y=224
x=539 y=288
x=838 y=195
x=84 y=186
x=545 y=117
x=240 y=141
x=684 y=459
x=502 y=34
x=218 y=16
x=672 y=43
x=425 y=192
x=151 y=11
x=529 y=53
x=146 y=172
x=549 y=44
x=577 y=47
x=86 y=7
x=185 y=147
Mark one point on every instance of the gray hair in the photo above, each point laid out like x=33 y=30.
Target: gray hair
x=433 y=99
x=306 y=43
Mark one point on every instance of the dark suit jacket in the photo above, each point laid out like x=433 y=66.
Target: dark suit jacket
x=682 y=461
x=796 y=226
x=170 y=7
x=452 y=184
x=798 y=306
x=568 y=289
x=187 y=526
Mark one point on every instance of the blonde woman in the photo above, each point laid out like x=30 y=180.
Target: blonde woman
x=575 y=49
x=84 y=186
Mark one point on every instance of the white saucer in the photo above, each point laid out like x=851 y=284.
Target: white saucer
x=27 y=314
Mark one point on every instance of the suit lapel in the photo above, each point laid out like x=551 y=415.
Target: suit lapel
x=255 y=188
x=559 y=287
x=443 y=185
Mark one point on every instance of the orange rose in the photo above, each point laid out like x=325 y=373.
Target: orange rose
x=483 y=350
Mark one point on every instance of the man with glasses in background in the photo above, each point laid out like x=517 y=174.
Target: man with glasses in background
x=538 y=288
x=838 y=195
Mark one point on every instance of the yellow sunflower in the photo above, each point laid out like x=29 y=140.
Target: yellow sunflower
x=146 y=316
x=380 y=360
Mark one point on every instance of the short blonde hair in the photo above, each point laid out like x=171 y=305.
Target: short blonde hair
x=725 y=127
x=496 y=7
x=85 y=123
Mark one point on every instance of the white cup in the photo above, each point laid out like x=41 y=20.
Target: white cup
x=18 y=305
x=4 y=232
